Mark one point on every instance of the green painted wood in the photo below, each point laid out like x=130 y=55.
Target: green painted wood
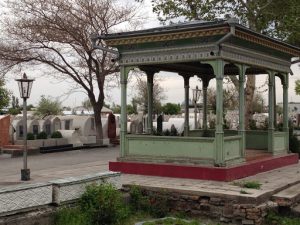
x=279 y=143
x=285 y=86
x=204 y=88
x=159 y=146
x=218 y=68
x=271 y=112
x=186 y=105
x=242 y=73
x=256 y=139
x=150 y=101
x=232 y=147
x=123 y=131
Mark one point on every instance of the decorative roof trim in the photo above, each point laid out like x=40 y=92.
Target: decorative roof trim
x=265 y=42
x=168 y=37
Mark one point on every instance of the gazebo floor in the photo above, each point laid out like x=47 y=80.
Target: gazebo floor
x=256 y=161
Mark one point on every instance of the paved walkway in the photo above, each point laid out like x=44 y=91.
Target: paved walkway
x=51 y=166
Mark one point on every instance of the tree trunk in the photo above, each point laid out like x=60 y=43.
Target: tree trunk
x=98 y=124
x=249 y=93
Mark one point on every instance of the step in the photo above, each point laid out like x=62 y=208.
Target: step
x=19 y=152
x=12 y=147
x=288 y=196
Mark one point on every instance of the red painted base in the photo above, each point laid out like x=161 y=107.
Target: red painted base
x=205 y=173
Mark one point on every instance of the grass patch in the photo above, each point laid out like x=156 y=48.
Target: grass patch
x=248 y=184
x=275 y=219
x=242 y=191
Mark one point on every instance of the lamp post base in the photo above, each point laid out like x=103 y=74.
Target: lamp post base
x=25 y=174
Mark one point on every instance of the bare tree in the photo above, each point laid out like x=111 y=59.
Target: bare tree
x=56 y=33
x=141 y=96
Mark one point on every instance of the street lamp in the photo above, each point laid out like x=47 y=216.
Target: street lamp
x=25 y=85
x=196 y=96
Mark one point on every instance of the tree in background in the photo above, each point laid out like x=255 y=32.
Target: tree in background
x=141 y=96
x=273 y=17
x=297 y=87
x=171 y=108
x=47 y=106
x=56 y=34
x=230 y=98
x=4 y=95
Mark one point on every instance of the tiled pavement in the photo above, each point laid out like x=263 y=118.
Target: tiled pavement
x=65 y=164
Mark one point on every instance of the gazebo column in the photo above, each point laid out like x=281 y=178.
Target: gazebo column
x=186 y=104
x=124 y=76
x=242 y=132
x=150 y=76
x=271 y=112
x=218 y=67
x=205 y=83
x=285 y=86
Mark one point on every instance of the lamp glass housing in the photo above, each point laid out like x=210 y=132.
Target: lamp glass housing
x=25 y=86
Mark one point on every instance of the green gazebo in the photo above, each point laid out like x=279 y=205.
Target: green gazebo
x=208 y=50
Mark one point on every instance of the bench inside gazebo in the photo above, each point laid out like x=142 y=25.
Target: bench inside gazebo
x=208 y=50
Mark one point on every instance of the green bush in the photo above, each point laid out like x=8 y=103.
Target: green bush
x=138 y=201
x=70 y=216
x=103 y=205
x=156 y=204
x=294 y=144
x=30 y=136
x=56 y=134
x=42 y=135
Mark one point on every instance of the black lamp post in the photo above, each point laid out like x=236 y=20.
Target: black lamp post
x=25 y=86
x=196 y=96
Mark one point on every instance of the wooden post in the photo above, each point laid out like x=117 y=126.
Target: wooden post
x=271 y=112
x=186 y=104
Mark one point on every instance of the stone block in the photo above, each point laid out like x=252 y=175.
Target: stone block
x=14 y=199
x=70 y=189
x=248 y=222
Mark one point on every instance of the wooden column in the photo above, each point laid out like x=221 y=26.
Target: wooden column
x=218 y=67
x=124 y=76
x=150 y=76
x=186 y=104
x=242 y=132
x=271 y=112
x=205 y=83
x=285 y=86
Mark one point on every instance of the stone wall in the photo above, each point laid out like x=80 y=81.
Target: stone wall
x=222 y=208
x=4 y=130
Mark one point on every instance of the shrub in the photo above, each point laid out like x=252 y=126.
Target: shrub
x=70 y=216
x=294 y=144
x=30 y=136
x=42 y=135
x=103 y=205
x=173 y=131
x=157 y=204
x=56 y=134
x=252 y=124
x=138 y=201
x=166 y=132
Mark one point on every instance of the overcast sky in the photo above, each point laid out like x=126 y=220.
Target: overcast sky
x=172 y=83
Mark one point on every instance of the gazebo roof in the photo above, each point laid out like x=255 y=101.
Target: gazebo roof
x=194 y=26
x=189 y=44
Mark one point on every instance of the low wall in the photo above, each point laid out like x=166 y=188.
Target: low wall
x=225 y=209
x=44 y=142
x=257 y=139
x=160 y=148
x=232 y=147
x=34 y=196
